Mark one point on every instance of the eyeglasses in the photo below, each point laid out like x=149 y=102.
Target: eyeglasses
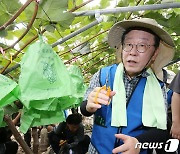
x=141 y=48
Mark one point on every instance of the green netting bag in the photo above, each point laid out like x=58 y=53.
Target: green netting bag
x=78 y=86
x=39 y=118
x=9 y=91
x=1 y=116
x=7 y=110
x=43 y=75
x=43 y=80
x=77 y=79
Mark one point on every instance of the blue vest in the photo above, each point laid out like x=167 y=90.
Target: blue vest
x=103 y=138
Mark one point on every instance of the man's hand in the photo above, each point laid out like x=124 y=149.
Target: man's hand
x=62 y=142
x=175 y=130
x=102 y=99
x=175 y=107
x=129 y=145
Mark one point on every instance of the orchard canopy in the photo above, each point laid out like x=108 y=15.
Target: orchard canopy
x=49 y=49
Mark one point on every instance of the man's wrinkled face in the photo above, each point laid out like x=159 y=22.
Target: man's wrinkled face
x=138 y=51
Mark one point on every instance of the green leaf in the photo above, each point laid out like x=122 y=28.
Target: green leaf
x=13 y=7
x=19 y=32
x=55 y=4
x=22 y=17
x=50 y=28
x=93 y=70
x=54 y=10
x=70 y=5
x=173 y=20
x=7 y=10
x=104 y=3
x=77 y=2
x=3 y=33
x=4 y=17
x=29 y=11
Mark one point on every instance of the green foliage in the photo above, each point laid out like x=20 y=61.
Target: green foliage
x=50 y=28
x=174 y=68
x=173 y=20
x=7 y=12
x=104 y=4
x=4 y=17
x=53 y=16
x=54 y=10
x=7 y=9
x=13 y=7
x=3 y=33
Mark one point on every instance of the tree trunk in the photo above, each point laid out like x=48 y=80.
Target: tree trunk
x=17 y=135
x=35 y=140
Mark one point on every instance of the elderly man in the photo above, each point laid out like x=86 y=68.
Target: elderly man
x=127 y=99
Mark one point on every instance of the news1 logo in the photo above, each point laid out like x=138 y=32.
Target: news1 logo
x=171 y=145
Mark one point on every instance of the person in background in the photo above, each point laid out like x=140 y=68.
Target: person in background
x=69 y=136
x=168 y=76
x=175 y=106
x=128 y=101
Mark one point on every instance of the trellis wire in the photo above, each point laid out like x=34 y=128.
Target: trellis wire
x=128 y=9
x=110 y=11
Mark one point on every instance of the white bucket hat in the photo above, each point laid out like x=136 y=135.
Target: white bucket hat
x=166 y=48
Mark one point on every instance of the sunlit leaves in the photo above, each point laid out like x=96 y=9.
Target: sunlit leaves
x=53 y=16
x=3 y=16
x=54 y=10
x=11 y=6
x=104 y=3
x=50 y=28
x=3 y=33
x=7 y=9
